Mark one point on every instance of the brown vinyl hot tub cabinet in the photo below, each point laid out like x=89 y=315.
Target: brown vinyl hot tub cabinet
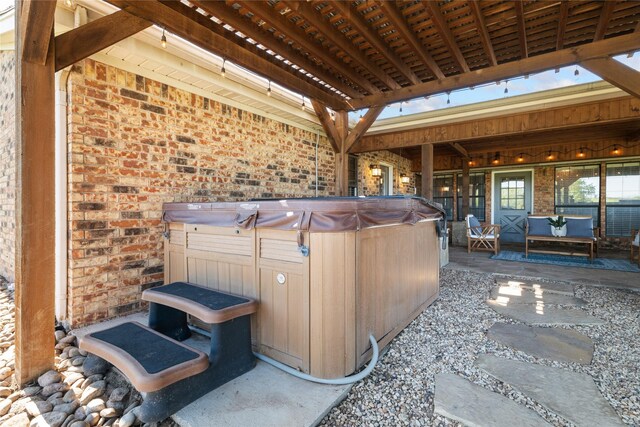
x=372 y=267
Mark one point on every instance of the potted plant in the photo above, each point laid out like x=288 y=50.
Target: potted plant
x=558 y=226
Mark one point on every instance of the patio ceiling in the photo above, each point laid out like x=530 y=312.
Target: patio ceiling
x=358 y=54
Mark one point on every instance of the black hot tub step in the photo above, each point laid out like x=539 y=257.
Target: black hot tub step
x=149 y=359
x=208 y=305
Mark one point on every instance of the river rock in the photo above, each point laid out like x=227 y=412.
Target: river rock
x=109 y=413
x=95 y=365
x=5 y=372
x=67 y=408
x=127 y=420
x=78 y=423
x=72 y=377
x=54 y=388
x=92 y=419
x=118 y=394
x=96 y=405
x=91 y=379
x=5 y=405
x=48 y=378
x=37 y=407
x=18 y=420
x=51 y=419
x=32 y=391
x=60 y=335
x=74 y=393
x=92 y=391
x=5 y=391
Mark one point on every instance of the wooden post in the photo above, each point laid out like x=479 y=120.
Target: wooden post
x=465 y=187
x=35 y=204
x=427 y=171
x=342 y=157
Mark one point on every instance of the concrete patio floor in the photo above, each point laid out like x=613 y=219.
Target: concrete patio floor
x=480 y=262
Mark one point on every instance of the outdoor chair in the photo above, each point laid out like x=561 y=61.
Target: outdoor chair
x=482 y=237
x=635 y=245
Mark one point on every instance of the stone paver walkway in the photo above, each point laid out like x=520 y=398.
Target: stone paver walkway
x=480 y=407
x=570 y=395
x=563 y=345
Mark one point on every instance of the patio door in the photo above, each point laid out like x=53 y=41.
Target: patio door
x=513 y=204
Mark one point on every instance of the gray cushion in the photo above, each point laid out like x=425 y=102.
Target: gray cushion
x=473 y=222
x=539 y=227
x=579 y=227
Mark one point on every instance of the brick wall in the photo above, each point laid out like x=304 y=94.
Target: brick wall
x=369 y=186
x=135 y=143
x=7 y=160
x=544 y=184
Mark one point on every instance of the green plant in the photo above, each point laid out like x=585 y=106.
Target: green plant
x=557 y=223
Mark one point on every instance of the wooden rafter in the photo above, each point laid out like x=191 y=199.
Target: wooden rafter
x=90 y=38
x=358 y=23
x=481 y=27
x=327 y=124
x=34 y=35
x=616 y=73
x=533 y=64
x=244 y=25
x=459 y=148
x=562 y=24
x=522 y=29
x=311 y=15
x=363 y=125
x=196 y=28
x=282 y=25
x=442 y=27
x=395 y=17
x=605 y=17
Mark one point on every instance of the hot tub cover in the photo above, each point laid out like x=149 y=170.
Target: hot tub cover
x=324 y=214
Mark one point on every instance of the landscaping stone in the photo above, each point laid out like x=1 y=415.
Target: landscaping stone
x=94 y=365
x=37 y=407
x=518 y=295
x=51 y=419
x=92 y=391
x=571 y=395
x=49 y=378
x=473 y=405
x=18 y=420
x=544 y=315
x=558 y=344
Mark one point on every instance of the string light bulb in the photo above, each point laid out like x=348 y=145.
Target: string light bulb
x=163 y=40
x=361 y=117
x=576 y=72
x=223 y=71
x=506 y=87
x=470 y=161
x=496 y=159
x=401 y=107
x=448 y=97
x=549 y=155
x=303 y=106
x=616 y=150
x=68 y=3
x=269 y=89
x=521 y=157
x=581 y=152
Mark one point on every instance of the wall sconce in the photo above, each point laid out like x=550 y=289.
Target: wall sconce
x=404 y=179
x=376 y=171
x=445 y=189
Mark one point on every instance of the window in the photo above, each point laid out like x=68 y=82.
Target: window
x=623 y=198
x=577 y=191
x=476 y=196
x=353 y=175
x=512 y=193
x=443 y=192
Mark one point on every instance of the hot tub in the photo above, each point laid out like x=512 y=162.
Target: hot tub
x=327 y=272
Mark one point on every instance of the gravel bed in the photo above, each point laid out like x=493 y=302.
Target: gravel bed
x=451 y=334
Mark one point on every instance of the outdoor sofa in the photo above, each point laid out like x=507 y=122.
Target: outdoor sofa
x=579 y=231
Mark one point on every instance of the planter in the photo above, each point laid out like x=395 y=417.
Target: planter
x=559 y=231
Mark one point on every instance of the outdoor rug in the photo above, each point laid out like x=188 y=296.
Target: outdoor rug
x=569 y=261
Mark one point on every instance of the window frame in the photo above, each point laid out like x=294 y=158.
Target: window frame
x=608 y=206
x=483 y=197
x=441 y=199
x=597 y=205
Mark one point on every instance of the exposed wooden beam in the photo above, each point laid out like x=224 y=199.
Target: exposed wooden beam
x=314 y=18
x=616 y=73
x=395 y=17
x=35 y=206
x=282 y=25
x=354 y=18
x=562 y=24
x=197 y=29
x=90 y=38
x=605 y=17
x=327 y=124
x=615 y=115
x=342 y=157
x=36 y=21
x=459 y=148
x=427 y=171
x=533 y=64
x=230 y=17
x=363 y=125
x=522 y=29
x=481 y=27
x=442 y=27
